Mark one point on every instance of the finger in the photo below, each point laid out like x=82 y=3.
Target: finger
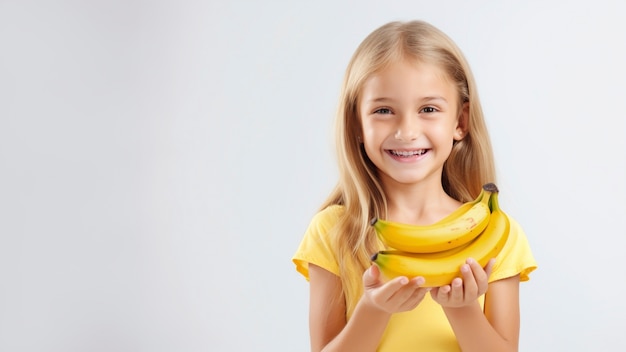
x=390 y=288
x=456 y=292
x=488 y=271
x=442 y=293
x=420 y=293
x=405 y=293
x=470 y=285
x=415 y=299
x=371 y=277
x=418 y=281
x=489 y=268
x=481 y=275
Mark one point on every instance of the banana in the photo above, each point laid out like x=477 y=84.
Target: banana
x=457 y=229
x=441 y=268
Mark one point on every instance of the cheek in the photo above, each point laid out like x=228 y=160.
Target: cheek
x=368 y=131
x=371 y=141
x=446 y=131
x=368 y=134
x=373 y=135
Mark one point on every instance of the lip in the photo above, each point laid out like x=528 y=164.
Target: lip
x=407 y=155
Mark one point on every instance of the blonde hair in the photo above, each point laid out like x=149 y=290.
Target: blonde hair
x=469 y=166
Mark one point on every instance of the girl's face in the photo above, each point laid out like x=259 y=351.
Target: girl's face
x=410 y=117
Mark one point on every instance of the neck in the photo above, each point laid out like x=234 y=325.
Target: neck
x=419 y=204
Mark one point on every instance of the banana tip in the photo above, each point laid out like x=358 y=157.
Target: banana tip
x=373 y=258
x=490 y=187
x=373 y=221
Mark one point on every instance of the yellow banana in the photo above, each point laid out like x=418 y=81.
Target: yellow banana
x=441 y=268
x=457 y=229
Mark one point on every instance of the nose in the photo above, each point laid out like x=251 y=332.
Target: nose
x=408 y=129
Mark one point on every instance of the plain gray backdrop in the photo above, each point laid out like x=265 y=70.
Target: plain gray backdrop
x=160 y=162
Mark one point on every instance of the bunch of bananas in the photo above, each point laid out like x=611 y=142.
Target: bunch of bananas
x=478 y=229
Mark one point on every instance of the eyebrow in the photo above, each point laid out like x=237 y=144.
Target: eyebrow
x=424 y=99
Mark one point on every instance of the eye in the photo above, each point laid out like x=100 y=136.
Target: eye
x=429 y=109
x=382 y=111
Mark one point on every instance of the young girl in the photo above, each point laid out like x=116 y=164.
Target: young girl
x=412 y=147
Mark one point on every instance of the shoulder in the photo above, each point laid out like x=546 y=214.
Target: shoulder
x=516 y=257
x=322 y=223
x=317 y=246
x=327 y=217
x=516 y=233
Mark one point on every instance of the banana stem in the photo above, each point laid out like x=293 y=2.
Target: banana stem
x=493 y=202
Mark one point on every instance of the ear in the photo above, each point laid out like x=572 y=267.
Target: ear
x=462 y=122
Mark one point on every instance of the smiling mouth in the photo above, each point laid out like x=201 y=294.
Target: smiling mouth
x=408 y=153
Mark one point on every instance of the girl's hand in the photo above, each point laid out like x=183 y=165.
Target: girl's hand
x=397 y=295
x=465 y=291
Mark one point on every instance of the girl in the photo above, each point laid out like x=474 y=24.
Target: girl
x=412 y=147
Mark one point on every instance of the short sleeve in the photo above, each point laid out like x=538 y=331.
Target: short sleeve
x=516 y=257
x=316 y=246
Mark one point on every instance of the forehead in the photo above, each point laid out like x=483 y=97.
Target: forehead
x=409 y=79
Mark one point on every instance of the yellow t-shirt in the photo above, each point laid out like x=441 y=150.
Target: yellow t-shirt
x=425 y=327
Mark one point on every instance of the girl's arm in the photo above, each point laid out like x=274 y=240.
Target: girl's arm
x=327 y=311
x=495 y=329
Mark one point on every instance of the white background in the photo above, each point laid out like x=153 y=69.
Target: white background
x=160 y=161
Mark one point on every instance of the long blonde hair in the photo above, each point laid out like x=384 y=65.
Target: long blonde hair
x=469 y=166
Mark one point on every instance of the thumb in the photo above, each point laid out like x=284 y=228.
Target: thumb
x=489 y=266
x=371 y=276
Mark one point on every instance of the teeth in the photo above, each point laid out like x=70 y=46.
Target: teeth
x=408 y=153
